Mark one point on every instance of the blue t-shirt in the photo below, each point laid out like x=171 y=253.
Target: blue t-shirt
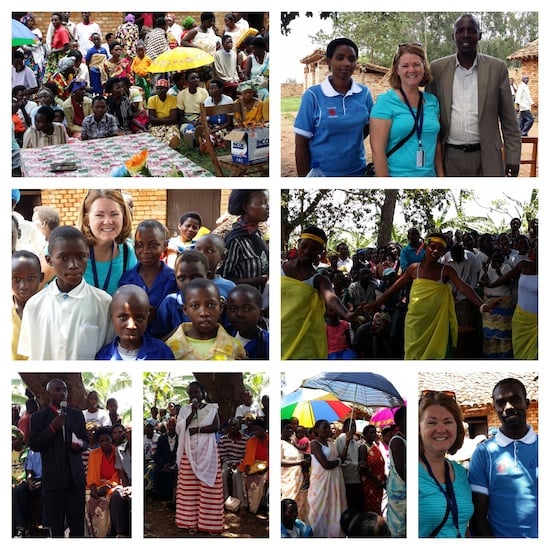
x=409 y=256
x=507 y=471
x=402 y=163
x=170 y=315
x=334 y=125
x=432 y=504
x=151 y=350
x=117 y=268
x=164 y=283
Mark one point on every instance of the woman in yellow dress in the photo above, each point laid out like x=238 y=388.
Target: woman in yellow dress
x=251 y=106
x=431 y=327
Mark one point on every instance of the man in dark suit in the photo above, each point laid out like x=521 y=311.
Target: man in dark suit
x=477 y=110
x=59 y=434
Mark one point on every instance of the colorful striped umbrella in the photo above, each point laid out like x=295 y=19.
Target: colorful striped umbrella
x=21 y=34
x=308 y=406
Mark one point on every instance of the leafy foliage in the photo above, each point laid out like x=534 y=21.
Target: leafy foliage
x=365 y=217
x=377 y=34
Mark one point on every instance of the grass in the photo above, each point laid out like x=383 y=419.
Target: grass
x=202 y=159
x=290 y=104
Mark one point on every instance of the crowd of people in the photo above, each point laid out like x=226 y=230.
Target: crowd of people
x=79 y=82
x=200 y=466
x=427 y=124
x=448 y=295
x=72 y=473
x=361 y=475
x=110 y=293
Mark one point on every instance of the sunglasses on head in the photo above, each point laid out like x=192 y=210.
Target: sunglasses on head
x=432 y=393
x=403 y=44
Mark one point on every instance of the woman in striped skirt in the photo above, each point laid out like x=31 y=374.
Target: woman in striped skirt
x=199 y=490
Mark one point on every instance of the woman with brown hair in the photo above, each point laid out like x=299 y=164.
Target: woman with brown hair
x=444 y=494
x=106 y=222
x=404 y=122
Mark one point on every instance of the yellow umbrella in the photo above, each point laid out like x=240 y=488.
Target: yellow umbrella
x=180 y=58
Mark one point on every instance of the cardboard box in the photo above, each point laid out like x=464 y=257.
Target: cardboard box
x=249 y=146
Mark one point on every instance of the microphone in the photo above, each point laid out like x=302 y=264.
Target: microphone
x=63 y=411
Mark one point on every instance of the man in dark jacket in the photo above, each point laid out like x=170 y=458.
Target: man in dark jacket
x=59 y=434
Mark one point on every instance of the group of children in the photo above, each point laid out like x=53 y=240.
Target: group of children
x=189 y=312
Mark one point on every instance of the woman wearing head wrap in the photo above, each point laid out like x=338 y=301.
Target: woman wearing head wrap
x=247 y=253
x=251 y=106
x=127 y=34
x=431 y=327
x=63 y=76
x=305 y=295
x=34 y=53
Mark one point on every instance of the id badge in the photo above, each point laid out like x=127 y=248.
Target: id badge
x=420 y=158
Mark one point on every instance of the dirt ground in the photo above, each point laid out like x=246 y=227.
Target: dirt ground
x=159 y=522
x=288 y=167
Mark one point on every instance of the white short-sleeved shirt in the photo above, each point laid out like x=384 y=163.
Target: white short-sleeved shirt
x=65 y=326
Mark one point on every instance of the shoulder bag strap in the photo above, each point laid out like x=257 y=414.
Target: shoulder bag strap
x=411 y=133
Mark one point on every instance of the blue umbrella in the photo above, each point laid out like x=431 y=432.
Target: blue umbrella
x=363 y=388
x=21 y=34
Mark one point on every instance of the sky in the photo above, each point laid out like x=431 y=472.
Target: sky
x=298 y=45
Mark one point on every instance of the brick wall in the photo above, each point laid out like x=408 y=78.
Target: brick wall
x=108 y=21
x=530 y=67
x=148 y=203
x=492 y=418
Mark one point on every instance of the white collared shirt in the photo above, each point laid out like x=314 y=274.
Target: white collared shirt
x=60 y=325
x=464 y=126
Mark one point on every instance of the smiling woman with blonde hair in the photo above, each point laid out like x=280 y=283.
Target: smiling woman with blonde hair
x=106 y=222
x=404 y=123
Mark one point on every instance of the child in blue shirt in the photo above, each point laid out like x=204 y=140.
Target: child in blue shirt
x=153 y=275
x=213 y=247
x=244 y=310
x=129 y=314
x=190 y=264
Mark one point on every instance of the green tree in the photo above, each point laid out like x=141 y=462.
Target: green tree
x=377 y=34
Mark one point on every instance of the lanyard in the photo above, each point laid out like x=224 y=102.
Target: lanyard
x=449 y=491
x=419 y=117
x=94 y=269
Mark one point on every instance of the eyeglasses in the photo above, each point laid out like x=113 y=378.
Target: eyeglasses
x=429 y=394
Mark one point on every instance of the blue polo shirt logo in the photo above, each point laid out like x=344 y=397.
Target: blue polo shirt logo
x=332 y=113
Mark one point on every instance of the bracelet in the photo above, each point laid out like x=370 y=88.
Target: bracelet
x=481 y=307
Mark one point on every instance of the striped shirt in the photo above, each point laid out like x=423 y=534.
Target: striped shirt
x=107 y=126
x=464 y=127
x=232 y=450
x=243 y=261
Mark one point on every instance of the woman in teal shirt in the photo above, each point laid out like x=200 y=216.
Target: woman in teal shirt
x=405 y=111
x=444 y=494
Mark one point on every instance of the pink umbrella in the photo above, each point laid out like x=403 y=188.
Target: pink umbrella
x=383 y=417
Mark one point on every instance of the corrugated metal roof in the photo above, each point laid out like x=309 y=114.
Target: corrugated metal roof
x=475 y=388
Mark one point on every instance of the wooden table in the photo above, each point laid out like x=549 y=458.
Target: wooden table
x=99 y=157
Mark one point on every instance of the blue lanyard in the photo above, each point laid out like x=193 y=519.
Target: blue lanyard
x=449 y=491
x=419 y=117
x=94 y=269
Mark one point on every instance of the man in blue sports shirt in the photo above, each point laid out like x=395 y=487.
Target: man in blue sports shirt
x=503 y=472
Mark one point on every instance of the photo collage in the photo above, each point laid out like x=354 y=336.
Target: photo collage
x=363 y=310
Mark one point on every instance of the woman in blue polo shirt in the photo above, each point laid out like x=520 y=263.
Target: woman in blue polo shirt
x=332 y=122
